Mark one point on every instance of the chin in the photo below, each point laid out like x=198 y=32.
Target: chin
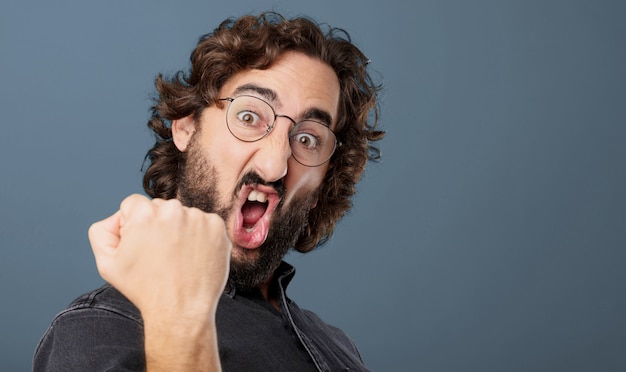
x=245 y=256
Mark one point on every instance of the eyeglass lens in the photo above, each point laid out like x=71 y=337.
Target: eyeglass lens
x=250 y=118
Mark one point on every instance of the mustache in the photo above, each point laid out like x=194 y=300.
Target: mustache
x=253 y=178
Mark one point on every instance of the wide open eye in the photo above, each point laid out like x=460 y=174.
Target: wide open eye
x=306 y=141
x=248 y=119
x=312 y=143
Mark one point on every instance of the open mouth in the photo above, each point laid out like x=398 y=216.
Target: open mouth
x=254 y=208
x=252 y=223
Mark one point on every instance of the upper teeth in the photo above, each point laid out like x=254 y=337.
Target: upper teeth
x=256 y=195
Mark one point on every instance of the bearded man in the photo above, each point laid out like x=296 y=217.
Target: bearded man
x=259 y=147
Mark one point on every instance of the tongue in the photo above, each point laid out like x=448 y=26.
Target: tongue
x=252 y=212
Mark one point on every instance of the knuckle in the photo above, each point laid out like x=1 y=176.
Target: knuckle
x=135 y=205
x=174 y=203
x=131 y=200
x=170 y=209
x=215 y=221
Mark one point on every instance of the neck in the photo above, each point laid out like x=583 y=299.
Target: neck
x=269 y=291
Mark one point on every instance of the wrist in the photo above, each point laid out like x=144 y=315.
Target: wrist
x=181 y=345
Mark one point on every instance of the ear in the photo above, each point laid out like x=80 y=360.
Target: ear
x=182 y=130
x=314 y=203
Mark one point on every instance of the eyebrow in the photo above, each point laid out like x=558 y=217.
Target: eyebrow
x=266 y=93
x=317 y=114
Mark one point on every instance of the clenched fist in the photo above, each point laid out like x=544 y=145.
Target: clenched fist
x=172 y=262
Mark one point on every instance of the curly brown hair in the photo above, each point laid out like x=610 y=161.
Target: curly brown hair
x=255 y=42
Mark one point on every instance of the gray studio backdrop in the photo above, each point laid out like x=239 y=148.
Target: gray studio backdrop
x=491 y=237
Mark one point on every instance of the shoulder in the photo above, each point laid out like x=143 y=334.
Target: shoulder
x=318 y=327
x=103 y=299
x=98 y=329
x=337 y=332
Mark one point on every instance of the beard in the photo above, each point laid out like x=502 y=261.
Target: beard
x=198 y=188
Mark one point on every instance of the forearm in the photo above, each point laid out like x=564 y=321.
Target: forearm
x=185 y=346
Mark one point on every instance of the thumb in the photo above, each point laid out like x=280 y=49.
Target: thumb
x=104 y=237
x=105 y=234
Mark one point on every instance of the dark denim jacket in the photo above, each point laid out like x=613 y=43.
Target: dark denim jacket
x=103 y=331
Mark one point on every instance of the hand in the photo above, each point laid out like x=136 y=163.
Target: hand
x=171 y=261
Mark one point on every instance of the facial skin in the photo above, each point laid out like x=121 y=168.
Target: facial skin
x=222 y=171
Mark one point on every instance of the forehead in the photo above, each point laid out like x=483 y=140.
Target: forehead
x=293 y=84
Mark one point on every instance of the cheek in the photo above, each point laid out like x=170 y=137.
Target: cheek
x=227 y=162
x=301 y=179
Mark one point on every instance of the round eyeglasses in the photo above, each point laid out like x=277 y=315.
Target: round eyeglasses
x=250 y=119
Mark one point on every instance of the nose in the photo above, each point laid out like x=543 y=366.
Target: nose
x=272 y=157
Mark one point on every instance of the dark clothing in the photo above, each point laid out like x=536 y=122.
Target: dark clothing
x=103 y=331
